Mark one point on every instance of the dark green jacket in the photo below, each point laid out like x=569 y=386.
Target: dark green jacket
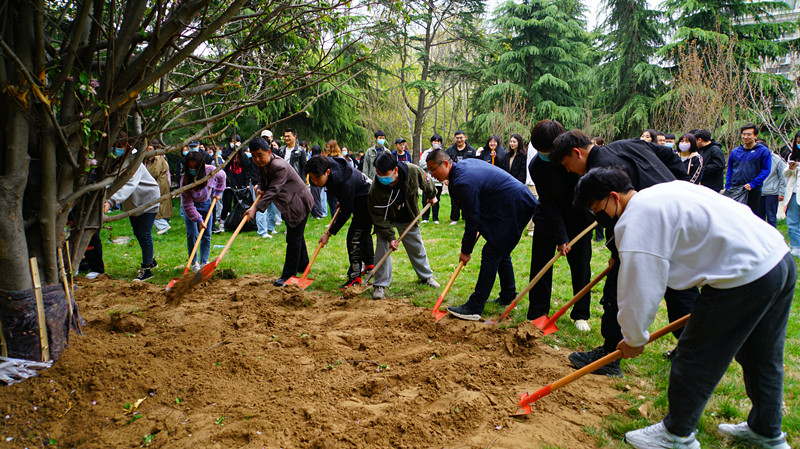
x=383 y=216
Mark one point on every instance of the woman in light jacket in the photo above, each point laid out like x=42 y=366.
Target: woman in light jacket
x=792 y=207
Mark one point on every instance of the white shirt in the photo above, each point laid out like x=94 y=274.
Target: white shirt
x=681 y=235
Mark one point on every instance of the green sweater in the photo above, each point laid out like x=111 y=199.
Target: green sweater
x=379 y=198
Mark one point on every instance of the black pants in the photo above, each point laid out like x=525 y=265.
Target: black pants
x=360 y=251
x=332 y=201
x=435 y=207
x=296 y=251
x=93 y=257
x=679 y=303
x=227 y=198
x=455 y=211
x=544 y=248
x=753 y=198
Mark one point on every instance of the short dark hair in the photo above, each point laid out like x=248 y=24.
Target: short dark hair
x=259 y=143
x=703 y=134
x=749 y=126
x=236 y=138
x=290 y=130
x=437 y=156
x=459 y=132
x=661 y=134
x=566 y=142
x=385 y=162
x=598 y=183
x=318 y=165
x=379 y=133
x=544 y=133
x=669 y=136
x=436 y=137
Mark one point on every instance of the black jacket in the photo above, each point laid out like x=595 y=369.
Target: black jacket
x=713 y=166
x=646 y=163
x=555 y=216
x=346 y=184
x=517 y=168
x=456 y=155
x=297 y=159
x=240 y=173
x=486 y=155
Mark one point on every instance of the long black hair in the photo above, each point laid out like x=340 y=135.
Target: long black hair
x=520 y=145
x=198 y=157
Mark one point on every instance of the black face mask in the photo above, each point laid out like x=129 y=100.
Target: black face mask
x=605 y=220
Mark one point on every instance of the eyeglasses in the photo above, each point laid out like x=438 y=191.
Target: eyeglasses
x=595 y=212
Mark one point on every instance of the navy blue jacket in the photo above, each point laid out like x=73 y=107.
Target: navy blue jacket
x=492 y=202
x=646 y=163
x=346 y=184
x=748 y=166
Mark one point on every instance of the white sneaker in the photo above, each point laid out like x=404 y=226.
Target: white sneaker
x=278 y=223
x=425 y=221
x=742 y=432
x=92 y=275
x=163 y=231
x=453 y=223
x=436 y=222
x=196 y=266
x=267 y=236
x=582 y=325
x=658 y=437
x=431 y=282
x=274 y=231
x=378 y=292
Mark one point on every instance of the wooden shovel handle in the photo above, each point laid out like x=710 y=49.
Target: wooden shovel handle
x=578 y=296
x=542 y=272
x=235 y=233
x=199 y=236
x=450 y=283
x=319 y=247
x=399 y=239
x=677 y=324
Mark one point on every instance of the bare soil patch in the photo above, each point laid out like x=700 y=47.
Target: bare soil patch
x=240 y=363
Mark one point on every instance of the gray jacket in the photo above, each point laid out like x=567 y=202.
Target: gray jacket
x=775 y=183
x=141 y=189
x=370 y=156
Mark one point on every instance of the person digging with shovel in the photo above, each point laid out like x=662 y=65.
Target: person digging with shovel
x=351 y=187
x=486 y=195
x=280 y=184
x=393 y=203
x=747 y=279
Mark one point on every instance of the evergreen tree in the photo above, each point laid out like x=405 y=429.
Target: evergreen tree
x=542 y=49
x=630 y=79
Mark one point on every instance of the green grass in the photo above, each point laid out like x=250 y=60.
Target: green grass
x=253 y=254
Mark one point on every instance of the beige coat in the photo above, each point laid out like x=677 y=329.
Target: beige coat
x=159 y=169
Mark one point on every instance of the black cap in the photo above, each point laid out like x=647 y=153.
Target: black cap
x=194 y=142
x=399 y=140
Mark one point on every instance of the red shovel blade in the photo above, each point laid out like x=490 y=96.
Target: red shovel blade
x=526 y=400
x=541 y=321
x=439 y=314
x=172 y=283
x=300 y=282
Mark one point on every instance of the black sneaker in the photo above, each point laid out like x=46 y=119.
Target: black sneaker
x=581 y=359
x=144 y=274
x=464 y=313
x=152 y=266
x=669 y=355
x=215 y=229
x=279 y=282
x=351 y=282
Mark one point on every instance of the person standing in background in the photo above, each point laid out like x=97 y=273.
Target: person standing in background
x=372 y=153
x=459 y=151
x=400 y=152
x=772 y=191
x=158 y=168
x=436 y=143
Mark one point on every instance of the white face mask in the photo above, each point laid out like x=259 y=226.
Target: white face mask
x=684 y=146
x=436 y=145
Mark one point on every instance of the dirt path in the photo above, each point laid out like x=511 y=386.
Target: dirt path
x=242 y=364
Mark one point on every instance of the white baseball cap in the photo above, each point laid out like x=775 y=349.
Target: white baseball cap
x=266 y=133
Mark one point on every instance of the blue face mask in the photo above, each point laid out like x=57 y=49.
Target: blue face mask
x=192 y=171
x=118 y=151
x=249 y=155
x=544 y=156
x=385 y=180
x=194 y=148
x=219 y=153
x=381 y=142
x=669 y=144
x=186 y=152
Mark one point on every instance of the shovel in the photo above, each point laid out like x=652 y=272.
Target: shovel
x=303 y=282
x=436 y=312
x=498 y=320
x=188 y=281
x=527 y=399
x=548 y=325
x=388 y=253
x=196 y=245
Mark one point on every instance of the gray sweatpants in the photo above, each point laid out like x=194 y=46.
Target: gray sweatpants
x=415 y=249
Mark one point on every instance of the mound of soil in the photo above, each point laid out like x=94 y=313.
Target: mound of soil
x=240 y=363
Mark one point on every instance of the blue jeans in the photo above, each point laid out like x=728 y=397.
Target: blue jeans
x=142 y=229
x=793 y=221
x=192 y=230
x=266 y=220
x=768 y=209
x=493 y=264
x=747 y=323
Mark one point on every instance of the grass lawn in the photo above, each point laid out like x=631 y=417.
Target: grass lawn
x=253 y=254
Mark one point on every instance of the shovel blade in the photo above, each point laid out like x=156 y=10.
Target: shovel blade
x=438 y=315
x=525 y=409
x=541 y=321
x=172 y=283
x=303 y=283
x=549 y=329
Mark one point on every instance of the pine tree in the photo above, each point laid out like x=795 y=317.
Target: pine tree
x=630 y=79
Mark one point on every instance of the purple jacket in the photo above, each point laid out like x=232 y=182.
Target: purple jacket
x=214 y=186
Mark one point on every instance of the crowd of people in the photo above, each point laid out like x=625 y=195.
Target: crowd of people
x=718 y=258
